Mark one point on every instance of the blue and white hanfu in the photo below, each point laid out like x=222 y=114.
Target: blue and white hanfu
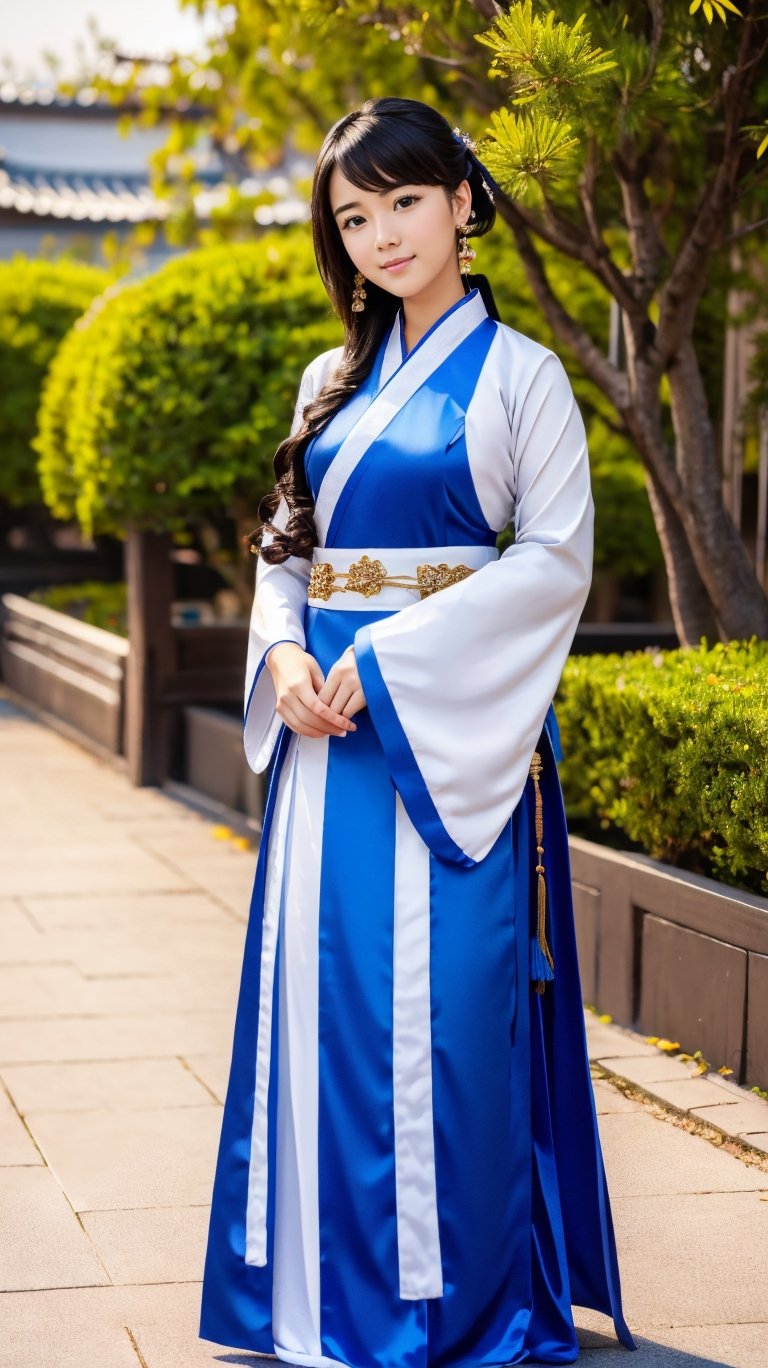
x=410 y=1171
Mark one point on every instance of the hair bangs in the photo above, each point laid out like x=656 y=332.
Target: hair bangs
x=378 y=157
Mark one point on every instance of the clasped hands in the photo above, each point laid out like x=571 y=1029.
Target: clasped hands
x=308 y=702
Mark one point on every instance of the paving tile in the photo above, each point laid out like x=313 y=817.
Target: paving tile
x=148 y=1036
x=146 y=1157
x=122 y=949
x=213 y=1069
x=21 y=941
x=163 y=1346
x=99 y=1323
x=610 y=1099
x=141 y=911
x=697 y=1241
x=646 y=1155
x=16 y=1145
x=738 y=1118
x=689 y=1093
x=43 y=1243
x=691 y=1346
x=85 y=867
x=606 y=1040
x=733 y=1091
x=78 y=1086
x=152 y=1244
x=56 y=990
x=658 y=1069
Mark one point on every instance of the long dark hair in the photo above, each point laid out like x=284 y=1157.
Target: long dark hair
x=387 y=141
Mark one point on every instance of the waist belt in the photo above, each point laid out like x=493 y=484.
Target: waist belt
x=369 y=577
x=386 y=573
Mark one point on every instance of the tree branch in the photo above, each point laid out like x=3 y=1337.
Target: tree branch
x=567 y=238
x=488 y=8
x=596 y=365
x=647 y=249
x=682 y=290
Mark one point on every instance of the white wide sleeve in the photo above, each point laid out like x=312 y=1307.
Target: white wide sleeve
x=279 y=602
x=458 y=684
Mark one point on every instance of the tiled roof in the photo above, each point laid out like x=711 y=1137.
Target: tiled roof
x=100 y=198
x=16 y=97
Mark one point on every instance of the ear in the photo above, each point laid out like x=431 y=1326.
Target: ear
x=463 y=200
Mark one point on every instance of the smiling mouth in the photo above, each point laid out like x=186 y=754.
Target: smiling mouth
x=399 y=261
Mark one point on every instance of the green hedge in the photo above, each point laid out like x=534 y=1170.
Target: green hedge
x=670 y=748
x=170 y=397
x=39 y=302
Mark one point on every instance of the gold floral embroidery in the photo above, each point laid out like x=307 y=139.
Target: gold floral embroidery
x=368 y=577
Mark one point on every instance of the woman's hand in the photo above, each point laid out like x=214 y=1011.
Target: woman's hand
x=299 y=689
x=342 y=689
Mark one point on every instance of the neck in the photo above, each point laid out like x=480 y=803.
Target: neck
x=421 y=311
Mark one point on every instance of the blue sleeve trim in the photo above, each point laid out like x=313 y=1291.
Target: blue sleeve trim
x=405 y=772
x=550 y=722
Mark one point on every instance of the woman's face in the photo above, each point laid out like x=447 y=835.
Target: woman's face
x=412 y=224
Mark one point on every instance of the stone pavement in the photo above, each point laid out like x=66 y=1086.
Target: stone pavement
x=122 y=920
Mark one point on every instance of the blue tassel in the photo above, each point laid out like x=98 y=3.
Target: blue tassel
x=540 y=966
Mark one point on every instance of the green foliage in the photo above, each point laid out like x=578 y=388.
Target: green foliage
x=541 y=52
x=669 y=747
x=101 y=605
x=39 y=302
x=622 y=85
x=524 y=147
x=171 y=397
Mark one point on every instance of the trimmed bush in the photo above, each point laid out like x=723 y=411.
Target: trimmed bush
x=39 y=302
x=670 y=747
x=169 y=398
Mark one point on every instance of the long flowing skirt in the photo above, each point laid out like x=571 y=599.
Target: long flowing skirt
x=409 y=1171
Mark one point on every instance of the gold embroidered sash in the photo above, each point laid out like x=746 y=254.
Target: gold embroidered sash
x=368 y=577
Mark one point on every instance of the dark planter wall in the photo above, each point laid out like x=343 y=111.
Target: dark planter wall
x=674 y=954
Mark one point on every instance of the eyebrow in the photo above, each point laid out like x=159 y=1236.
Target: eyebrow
x=355 y=204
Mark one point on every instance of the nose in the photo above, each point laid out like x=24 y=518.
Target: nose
x=387 y=235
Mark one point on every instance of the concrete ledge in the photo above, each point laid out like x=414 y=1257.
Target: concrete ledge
x=626 y=1056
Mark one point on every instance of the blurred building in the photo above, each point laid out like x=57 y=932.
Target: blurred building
x=67 y=172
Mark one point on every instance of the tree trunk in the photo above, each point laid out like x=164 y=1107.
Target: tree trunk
x=149 y=579
x=245 y=521
x=738 y=600
x=691 y=608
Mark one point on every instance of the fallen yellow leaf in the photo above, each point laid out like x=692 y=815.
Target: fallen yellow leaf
x=221 y=833
x=652 y=1040
x=668 y=1044
x=241 y=842
x=724 y=1069
x=606 y=1016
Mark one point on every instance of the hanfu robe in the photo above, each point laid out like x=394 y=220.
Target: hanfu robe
x=409 y=1170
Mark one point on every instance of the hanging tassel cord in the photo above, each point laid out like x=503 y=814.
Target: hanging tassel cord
x=542 y=963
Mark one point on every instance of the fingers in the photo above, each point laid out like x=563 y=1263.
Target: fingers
x=304 y=712
x=347 y=700
x=314 y=706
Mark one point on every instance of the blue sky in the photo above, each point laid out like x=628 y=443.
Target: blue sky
x=151 y=27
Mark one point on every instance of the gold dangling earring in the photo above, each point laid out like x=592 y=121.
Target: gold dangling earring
x=466 y=254
x=358 y=294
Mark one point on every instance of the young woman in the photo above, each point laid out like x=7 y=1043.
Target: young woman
x=410 y=1171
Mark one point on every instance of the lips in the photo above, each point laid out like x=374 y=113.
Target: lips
x=396 y=261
